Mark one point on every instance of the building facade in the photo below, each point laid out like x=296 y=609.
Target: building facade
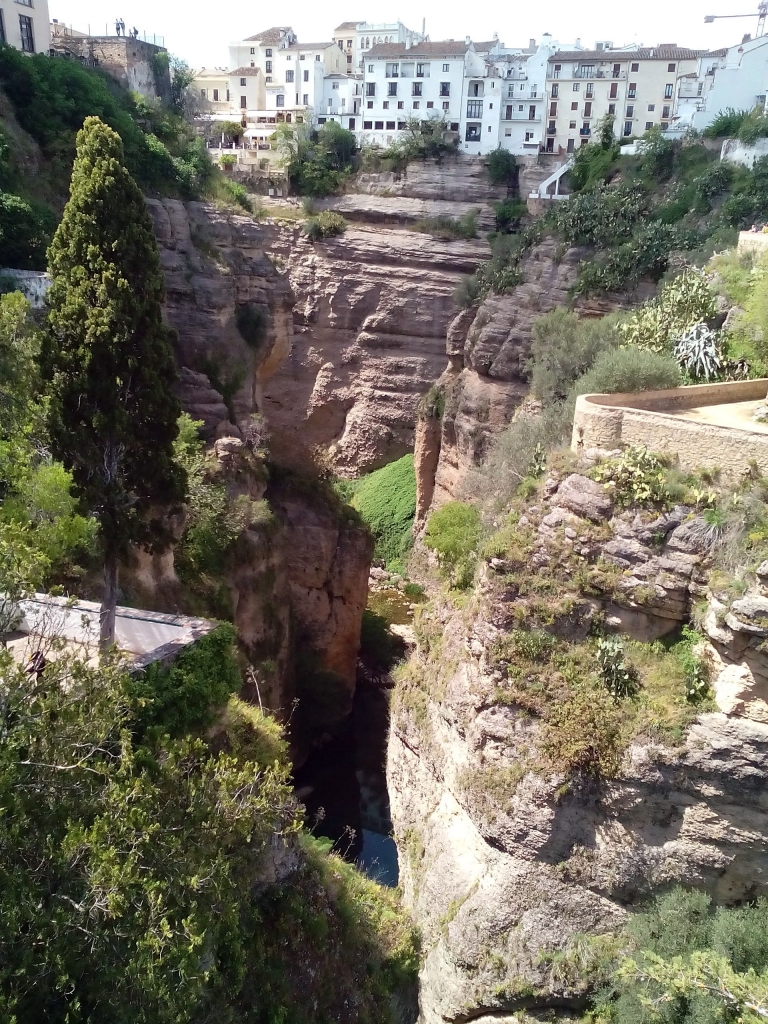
x=637 y=87
x=355 y=39
x=25 y=25
x=736 y=78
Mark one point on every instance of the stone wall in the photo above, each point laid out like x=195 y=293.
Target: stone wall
x=606 y=421
x=129 y=61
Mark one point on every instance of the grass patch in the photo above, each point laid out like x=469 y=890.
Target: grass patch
x=386 y=501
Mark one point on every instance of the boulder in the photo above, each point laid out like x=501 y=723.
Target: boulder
x=749 y=615
x=585 y=497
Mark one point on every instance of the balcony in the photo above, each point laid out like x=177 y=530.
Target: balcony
x=584 y=132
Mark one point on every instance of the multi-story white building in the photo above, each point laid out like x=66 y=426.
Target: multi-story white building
x=355 y=39
x=636 y=86
x=342 y=99
x=25 y=25
x=736 y=78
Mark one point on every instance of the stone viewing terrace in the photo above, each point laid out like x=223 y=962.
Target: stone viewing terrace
x=706 y=425
x=142 y=637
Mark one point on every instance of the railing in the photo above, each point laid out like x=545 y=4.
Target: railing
x=585 y=131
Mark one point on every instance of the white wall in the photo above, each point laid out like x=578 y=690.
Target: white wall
x=741 y=81
x=37 y=10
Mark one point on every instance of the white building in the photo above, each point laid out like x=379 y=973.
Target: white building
x=342 y=100
x=25 y=25
x=735 y=78
x=355 y=39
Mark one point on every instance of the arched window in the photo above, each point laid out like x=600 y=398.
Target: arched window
x=367 y=43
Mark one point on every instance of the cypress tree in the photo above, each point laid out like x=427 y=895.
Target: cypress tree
x=108 y=359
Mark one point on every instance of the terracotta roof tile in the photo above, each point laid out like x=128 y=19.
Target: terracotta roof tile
x=643 y=53
x=446 y=48
x=269 y=35
x=244 y=72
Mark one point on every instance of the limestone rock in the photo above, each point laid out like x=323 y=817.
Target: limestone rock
x=585 y=497
x=749 y=614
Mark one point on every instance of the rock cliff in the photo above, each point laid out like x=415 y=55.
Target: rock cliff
x=511 y=846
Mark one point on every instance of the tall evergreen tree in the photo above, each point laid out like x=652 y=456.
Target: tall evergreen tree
x=108 y=359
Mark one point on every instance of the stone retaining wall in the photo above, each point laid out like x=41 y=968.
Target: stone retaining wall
x=608 y=421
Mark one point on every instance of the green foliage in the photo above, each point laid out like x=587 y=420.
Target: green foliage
x=325 y=225
x=421 y=139
x=25 y=232
x=386 y=501
x=563 y=348
x=317 y=164
x=683 y=302
x=618 y=371
x=509 y=213
x=602 y=217
x=619 y=676
x=695 y=668
x=727 y=124
x=453 y=532
x=748 y=201
x=186 y=695
x=691 y=962
x=645 y=255
x=594 y=164
x=635 y=478
x=502 y=168
x=432 y=405
x=449 y=227
x=106 y=354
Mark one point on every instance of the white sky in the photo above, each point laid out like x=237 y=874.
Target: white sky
x=199 y=31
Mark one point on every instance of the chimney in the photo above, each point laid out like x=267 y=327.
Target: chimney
x=578 y=43
x=747 y=38
x=531 y=44
x=467 y=40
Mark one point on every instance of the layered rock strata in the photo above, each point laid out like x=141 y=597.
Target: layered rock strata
x=506 y=863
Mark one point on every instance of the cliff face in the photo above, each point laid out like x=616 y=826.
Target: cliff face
x=506 y=856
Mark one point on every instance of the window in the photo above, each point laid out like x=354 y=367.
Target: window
x=268 y=52
x=268 y=79
x=370 y=88
x=668 y=91
x=445 y=88
x=551 y=128
x=385 y=104
x=587 y=110
x=391 y=88
x=570 y=145
x=631 y=110
x=472 y=133
x=571 y=125
x=317 y=56
x=648 y=125
x=632 y=92
x=590 y=89
x=430 y=103
x=301 y=56
x=367 y=125
x=392 y=71
x=279 y=100
x=671 y=68
x=227 y=95
x=369 y=105
x=520 y=108
x=400 y=125
x=289 y=78
x=305 y=99
x=446 y=67
x=616 y=70
x=400 y=105
x=349 y=44
x=416 y=88
x=489 y=128
x=415 y=104
x=422 y=70
x=558 y=69
x=553 y=110
x=585 y=129
x=370 y=69
x=215 y=95
x=576 y=86
x=627 y=128
x=532 y=113
x=587 y=71
x=528 y=136
x=2 y=28
x=665 y=112
x=651 y=107
x=574 y=106
x=306 y=76
x=635 y=67
x=243 y=81
x=613 y=92
x=351 y=124
x=253 y=49
x=474 y=108
x=454 y=126
x=243 y=102
x=612 y=108
x=202 y=94
x=390 y=126
x=268 y=67
x=555 y=91
x=446 y=105
x=379 y=126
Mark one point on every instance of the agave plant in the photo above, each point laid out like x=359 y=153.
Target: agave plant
x=696 y=351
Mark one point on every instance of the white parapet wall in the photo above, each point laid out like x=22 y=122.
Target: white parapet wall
x=704 y=426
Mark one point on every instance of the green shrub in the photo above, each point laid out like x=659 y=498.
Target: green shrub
x=620 y=678
x=386 y=500
x=325 y=225
x=509 y=213
x=682 y=303
x=636 y=477
x=251 y=322
x=601 y=217
x=502 y=168
x=628 y=369
x=449 y=227
x=26 y=230
x=563 y=348
x=727 y=124
x=643 y=256
x=453 y=533
x=227 y=160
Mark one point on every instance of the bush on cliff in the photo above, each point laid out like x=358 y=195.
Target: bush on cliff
x=563 y=348
x=453 y=533
x=386 y=500
x=622 y=370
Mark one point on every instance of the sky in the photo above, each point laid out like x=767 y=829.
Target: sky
x=199 y=31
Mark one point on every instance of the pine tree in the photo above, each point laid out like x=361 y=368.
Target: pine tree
x=108 y=359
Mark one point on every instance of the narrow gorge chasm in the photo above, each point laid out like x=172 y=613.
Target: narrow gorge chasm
x=534 y=811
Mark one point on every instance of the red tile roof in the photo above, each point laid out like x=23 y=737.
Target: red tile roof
x=446 y=48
